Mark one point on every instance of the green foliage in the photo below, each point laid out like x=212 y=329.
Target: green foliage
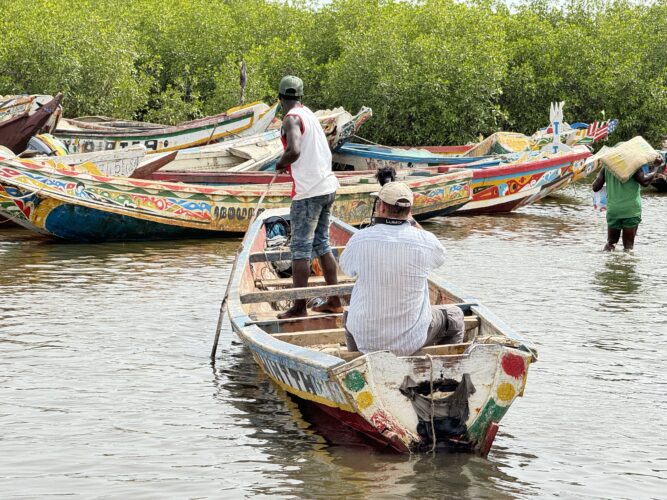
x=434 y=71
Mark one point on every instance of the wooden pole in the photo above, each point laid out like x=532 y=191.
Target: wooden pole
x=223 y=305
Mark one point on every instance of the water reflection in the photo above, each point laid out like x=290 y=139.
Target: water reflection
x=618 y=278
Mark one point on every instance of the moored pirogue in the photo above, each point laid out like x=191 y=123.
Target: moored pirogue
x=85 y=207
x=457 y=393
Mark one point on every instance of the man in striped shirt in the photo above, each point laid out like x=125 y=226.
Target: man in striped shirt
x=390 y=307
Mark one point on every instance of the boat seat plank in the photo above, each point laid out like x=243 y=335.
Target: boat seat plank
x=269 y=318
x=337 y=335
x=263 y=319
x=276 y=255
x=296 y=293
x=434 y=350
x=287 y=282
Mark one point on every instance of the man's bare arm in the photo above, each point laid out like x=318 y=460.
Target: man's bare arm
x=292 y=128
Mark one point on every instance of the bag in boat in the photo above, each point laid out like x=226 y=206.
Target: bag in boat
x=277 y=238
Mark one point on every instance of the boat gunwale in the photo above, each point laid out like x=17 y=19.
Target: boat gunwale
x=205 y=123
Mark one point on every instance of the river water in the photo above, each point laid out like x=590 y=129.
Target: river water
x=106 y=389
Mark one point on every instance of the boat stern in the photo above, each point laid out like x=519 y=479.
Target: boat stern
x=428 y=402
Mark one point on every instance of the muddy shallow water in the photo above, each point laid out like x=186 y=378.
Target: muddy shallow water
x=106 y=389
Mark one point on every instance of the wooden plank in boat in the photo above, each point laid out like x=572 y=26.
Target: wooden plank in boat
x=296 y=293
x=443 y=350
x=337 y=335
x=312 y=281
x=267 y=319
x=331 y=336
x=275 y=255
x=434 y=350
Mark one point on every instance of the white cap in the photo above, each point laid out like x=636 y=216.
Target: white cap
x=396 y=193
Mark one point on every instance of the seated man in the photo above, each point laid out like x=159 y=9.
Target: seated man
x=390 y=307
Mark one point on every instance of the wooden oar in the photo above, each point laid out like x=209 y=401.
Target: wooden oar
x=223 y=305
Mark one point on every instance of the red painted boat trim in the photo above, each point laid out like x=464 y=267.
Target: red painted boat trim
x=485 y=172
x=488 y=439
x=359 y=424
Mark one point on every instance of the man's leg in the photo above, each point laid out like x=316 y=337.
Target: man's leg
x=447 y=326
x=327 y=261
x=300 y=274
x=303 y=227
x=349 y=339
x=613 y=235
x=629 y=234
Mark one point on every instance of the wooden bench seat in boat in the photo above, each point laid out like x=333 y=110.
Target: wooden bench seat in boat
x=312 y=281
x=337 y=335
x=264 y=319
x=433 y=350
x=296 y=293
x=276 y=255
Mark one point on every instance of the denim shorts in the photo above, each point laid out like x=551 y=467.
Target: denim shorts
x=310 y=226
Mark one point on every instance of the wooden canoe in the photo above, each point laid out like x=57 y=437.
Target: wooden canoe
x=84 y=207
x=340 y=126
x=497 y=188
x=307 y=357
x=236 y=122
x=501 y=183
x=16 y=131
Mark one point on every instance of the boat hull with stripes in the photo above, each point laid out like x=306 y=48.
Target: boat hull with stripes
x=86 y=207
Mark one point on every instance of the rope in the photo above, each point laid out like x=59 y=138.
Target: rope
x=365 y=140
x=432 y=407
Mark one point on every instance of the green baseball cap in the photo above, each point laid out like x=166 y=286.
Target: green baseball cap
x=291 y=86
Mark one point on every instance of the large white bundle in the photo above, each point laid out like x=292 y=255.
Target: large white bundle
x=625 y=158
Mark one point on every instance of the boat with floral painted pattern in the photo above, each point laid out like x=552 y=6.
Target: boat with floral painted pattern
x=77 y=206
x=501 y=183
x=468 y=386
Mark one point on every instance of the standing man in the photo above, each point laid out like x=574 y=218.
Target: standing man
x=307 y=158
x=624 y=204
x=390 y=307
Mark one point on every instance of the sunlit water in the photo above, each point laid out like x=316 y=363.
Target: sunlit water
x=106 y=389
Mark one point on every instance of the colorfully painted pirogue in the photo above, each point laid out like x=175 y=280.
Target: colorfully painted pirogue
x=86 y=207
x=385 y=397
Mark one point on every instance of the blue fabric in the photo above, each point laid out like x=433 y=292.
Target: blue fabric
x=310 y=226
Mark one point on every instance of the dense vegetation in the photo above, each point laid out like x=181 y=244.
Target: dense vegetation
x=434 y=71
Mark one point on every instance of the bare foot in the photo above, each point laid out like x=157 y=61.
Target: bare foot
x=293 y=312
x=329 y=307
x=609 y=247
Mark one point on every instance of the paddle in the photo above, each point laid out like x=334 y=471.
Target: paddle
x=223 y=305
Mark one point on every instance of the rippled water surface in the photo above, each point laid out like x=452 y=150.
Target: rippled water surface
x=106 y=389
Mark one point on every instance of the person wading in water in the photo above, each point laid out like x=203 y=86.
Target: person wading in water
x=624 y=204
x=307 y=158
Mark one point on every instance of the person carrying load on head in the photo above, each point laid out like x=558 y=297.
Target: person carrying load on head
x=307 y=158
x=390 y=307
x=624 y=203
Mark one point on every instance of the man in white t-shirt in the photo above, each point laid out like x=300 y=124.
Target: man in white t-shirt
x=390 y=308
x=308 y=159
